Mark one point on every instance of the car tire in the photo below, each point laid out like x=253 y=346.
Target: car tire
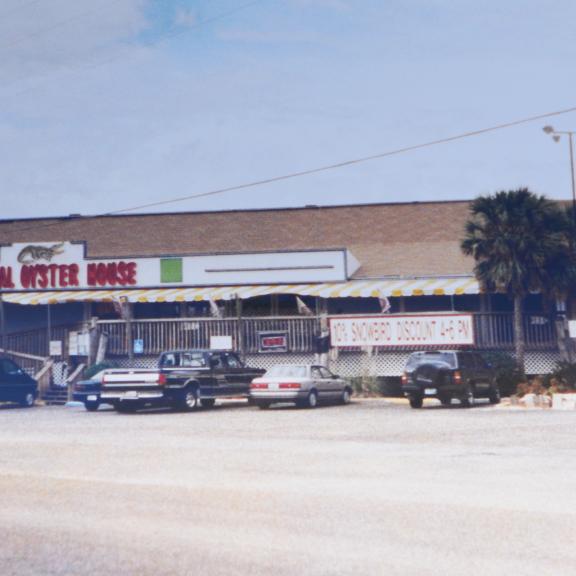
x=311 y=400
x=263 y=405
x=468 y=400
x=494 y=396
x=346 y=396
x=446 y=401
x=28 y=400
x=416 y=401
x=208 y=402
x=91 y=405
x=189 y=400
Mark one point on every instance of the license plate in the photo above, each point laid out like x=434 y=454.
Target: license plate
x=130 y=395
x=92 y=398
x=430 y=391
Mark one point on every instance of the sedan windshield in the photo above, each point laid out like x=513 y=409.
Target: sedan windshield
x=291 y=371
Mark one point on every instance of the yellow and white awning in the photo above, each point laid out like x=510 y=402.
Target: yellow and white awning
x=352 y=289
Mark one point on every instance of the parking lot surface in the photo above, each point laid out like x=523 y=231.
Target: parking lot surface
x=373 y=488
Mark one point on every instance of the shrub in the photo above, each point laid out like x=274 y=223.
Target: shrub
x=563 y=377
x=508 y=376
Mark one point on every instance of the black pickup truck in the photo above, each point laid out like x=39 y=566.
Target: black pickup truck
x=184 y=380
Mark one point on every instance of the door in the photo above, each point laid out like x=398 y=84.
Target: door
x=237 y=377
x=333 y=386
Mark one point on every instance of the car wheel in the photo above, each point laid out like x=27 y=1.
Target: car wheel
x=91 y=405
x=28 y=400
x=208 y=402
x=345 y=398
x=494 y=396
x=263 y=405
x=446 y=401
x=416 y=401
x=190 y=400
x=311 y=400
x=468 y=401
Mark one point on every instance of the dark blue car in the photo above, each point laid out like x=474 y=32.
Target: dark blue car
x=16 y=385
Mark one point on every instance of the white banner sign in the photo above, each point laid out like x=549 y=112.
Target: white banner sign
x=400 y=330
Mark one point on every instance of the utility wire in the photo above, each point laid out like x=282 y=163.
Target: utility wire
x=308 y=172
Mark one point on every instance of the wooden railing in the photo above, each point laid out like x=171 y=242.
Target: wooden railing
x=159 y=335
x=492 y=331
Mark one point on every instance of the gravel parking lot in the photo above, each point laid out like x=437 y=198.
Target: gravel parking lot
x=367 y=489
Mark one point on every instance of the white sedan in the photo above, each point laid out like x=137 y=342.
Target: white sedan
x=304 y=385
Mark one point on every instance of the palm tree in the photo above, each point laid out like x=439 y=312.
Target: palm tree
x=521 y=243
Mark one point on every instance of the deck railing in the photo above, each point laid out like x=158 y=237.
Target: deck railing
x=493 y=331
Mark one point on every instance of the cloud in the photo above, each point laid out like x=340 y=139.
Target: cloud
x=39 y=38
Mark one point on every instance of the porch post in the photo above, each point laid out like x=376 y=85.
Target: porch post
x=240 y=328
x=2 y=324
x=48 y=327
x=129 y=343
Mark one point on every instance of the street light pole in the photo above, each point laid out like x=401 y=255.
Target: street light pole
x=556 y=135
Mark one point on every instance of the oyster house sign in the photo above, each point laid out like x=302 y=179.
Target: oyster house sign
x=62 y=265
x=65 y=266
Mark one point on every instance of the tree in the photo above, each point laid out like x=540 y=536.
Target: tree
x=521 y=243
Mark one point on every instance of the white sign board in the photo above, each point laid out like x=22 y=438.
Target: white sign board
x=221 y=343
x=55 y=347
x=402 y=330
x=572 y=328
x=66 y=266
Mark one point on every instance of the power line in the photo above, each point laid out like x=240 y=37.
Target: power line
x=173 y=32
x=310 y=171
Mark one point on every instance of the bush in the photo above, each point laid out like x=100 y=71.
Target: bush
x=508 y=377
x=563 y=377
x=365 y=385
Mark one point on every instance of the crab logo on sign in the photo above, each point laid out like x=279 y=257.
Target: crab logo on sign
x=31 y=253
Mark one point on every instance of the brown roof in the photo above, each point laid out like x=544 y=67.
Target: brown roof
x=411 y=239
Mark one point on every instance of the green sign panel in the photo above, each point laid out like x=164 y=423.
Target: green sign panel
x=170 y=270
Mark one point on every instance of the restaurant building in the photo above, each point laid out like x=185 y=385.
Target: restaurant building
x=364 y=285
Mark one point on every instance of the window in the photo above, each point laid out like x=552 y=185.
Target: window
x=216 y=361
x=192 y=360
x=233 y=361
x=9 y=367
x=316 y=374
x=280 y=371
x=325 y=372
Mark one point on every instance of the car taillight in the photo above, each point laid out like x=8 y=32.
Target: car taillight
x=404 y=378
x=161 y=379
x=259 y=385
x=290 y=385
x=457 y=377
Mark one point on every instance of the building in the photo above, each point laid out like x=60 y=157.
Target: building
x=271 y=282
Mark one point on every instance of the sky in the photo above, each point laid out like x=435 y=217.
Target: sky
x=120 y=103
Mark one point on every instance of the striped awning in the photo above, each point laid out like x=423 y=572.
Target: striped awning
x=351 y=289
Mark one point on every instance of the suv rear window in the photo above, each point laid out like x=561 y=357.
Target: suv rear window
x=421 y=358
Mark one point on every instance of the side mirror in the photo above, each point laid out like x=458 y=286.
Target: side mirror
x=335 y=376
